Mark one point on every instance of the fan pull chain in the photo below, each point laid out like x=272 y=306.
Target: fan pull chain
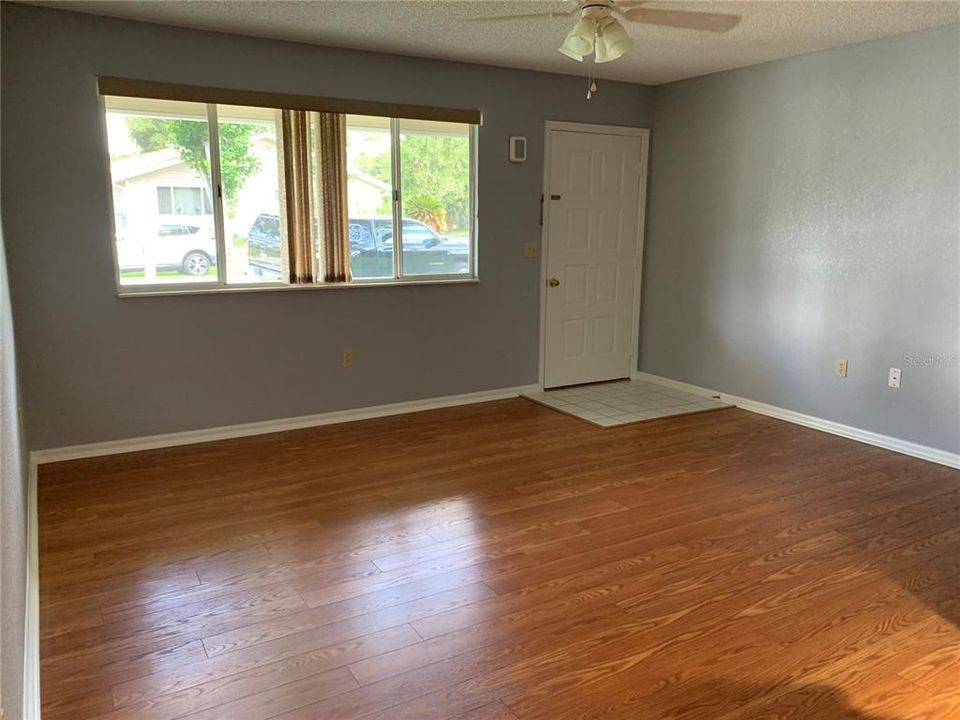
x=591 y=78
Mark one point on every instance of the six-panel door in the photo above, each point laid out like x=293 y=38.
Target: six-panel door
x=594 y=196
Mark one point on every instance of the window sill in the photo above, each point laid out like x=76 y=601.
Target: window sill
x=155 y=291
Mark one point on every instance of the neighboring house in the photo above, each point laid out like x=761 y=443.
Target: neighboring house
x=154 y=188
x=365 y=194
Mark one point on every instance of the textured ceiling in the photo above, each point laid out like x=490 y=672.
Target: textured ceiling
x=443 y=29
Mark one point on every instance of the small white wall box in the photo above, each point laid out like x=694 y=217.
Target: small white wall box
x=518 y=149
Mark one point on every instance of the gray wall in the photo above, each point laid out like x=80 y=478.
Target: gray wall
x=13 y=513
x=799 y=211
x=807 y=210
x=103 y=368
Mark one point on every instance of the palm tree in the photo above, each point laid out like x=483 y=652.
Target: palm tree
x=428 y=210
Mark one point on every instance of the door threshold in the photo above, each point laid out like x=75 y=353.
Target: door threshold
x=592 y=383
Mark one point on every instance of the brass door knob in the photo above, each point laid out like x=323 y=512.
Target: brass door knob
x=553 y=282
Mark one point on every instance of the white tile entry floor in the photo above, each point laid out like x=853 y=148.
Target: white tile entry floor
x=627 y=401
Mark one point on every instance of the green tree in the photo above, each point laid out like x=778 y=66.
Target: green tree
x=438 y=166
x=191 y=139
x=432 y=166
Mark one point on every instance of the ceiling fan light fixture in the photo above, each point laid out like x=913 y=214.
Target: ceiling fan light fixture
x=579 y=41
x=612 y=40
x=600 y=54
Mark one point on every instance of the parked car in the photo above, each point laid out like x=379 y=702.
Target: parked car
x=192 y=249
x=425 y=252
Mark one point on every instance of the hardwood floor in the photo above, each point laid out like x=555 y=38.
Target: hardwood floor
x=503 y=562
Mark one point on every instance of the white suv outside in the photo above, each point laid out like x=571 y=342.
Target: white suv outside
x=189 y=247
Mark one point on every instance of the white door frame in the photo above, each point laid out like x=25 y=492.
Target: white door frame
x=644 y=135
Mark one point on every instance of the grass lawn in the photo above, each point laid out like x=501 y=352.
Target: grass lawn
x=168 y=274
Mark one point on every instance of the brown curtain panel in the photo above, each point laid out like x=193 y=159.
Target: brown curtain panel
x=296 y=195
x=331 y=149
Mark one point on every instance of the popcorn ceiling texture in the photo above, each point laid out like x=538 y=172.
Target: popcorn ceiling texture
x=445 y=29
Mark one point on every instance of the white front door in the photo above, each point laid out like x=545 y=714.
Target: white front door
x=593 y=215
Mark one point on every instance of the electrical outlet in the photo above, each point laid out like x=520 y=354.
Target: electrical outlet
x=841 y=368
x=893 y=380
x=530 y=249
x=346 y=358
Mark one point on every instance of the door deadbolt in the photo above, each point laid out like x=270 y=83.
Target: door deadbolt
x=553 y=282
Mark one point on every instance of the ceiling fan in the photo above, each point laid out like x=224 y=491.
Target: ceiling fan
x=600 y=32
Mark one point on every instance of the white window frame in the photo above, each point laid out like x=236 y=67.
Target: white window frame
x=220 y=285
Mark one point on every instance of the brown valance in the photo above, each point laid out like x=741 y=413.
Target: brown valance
x=125 y=87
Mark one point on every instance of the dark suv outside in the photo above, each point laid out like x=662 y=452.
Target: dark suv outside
x=425 y=252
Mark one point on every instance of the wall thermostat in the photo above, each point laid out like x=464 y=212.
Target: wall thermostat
x=518 y=149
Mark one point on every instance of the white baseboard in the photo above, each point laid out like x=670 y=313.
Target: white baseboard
x=834 y=428
x=31 y=623
x=227 y=432
x=677 y=385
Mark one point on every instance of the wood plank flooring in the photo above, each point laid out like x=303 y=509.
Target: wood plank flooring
x=503 y=561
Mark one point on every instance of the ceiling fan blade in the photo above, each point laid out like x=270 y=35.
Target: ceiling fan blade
x=574 y=6
x=517 y=17
x=709 y=22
